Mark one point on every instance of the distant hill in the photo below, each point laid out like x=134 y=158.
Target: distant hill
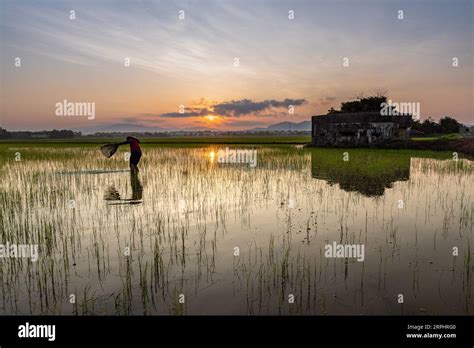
x=304 y=126
x=138 y=128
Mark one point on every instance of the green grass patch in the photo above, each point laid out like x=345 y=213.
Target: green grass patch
x=451 y=136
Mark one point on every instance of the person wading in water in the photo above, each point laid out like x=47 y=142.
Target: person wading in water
x=136 y=153
x=108 y=151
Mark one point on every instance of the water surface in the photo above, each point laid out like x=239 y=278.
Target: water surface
x=185 y=214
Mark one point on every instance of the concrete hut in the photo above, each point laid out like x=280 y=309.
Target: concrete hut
x=358 y=128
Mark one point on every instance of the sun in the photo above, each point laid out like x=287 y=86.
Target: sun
x=211 y=117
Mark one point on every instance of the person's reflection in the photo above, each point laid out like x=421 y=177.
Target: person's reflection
x=137 y=192
x=137 y=188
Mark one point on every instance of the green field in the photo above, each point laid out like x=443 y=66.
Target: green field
x=173 y=140
x=329 y=156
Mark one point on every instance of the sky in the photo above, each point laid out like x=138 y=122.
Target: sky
x=229 y=65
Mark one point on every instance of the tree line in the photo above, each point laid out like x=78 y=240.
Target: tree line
x=52 y=134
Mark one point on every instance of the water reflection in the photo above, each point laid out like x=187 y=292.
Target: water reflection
x=212 y=156
x=364 y=171
x=137 y=188
x=112 y=194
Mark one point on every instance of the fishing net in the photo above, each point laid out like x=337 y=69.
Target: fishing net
x=109 y=149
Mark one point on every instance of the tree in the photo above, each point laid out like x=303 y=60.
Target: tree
x=449 y=125
x=4 y=134
x=371 y=103
x=429 y=126
x=445 y=125
x=61 y=134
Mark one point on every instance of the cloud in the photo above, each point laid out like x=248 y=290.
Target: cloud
x=326 y=100
x=184 y=114
x=236 y=108
x=189 y=112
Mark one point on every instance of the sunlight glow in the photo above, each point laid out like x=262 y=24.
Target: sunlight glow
x=212 y=155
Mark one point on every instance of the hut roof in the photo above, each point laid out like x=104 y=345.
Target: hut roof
x=404 y=121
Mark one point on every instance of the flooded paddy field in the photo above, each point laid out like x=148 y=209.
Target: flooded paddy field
x=192 y=235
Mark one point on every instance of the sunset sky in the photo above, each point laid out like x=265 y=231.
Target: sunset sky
x=190 y=61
